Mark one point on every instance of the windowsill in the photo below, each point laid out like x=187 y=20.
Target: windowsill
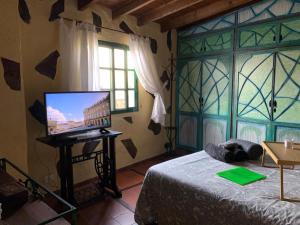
x=116 y=112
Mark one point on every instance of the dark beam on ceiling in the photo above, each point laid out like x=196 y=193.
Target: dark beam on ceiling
x=166 y=10
x=130 y=7
x=208 y=11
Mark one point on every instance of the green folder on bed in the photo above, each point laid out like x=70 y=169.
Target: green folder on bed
x=241 y=175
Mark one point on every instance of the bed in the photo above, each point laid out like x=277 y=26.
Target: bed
x=186 y=191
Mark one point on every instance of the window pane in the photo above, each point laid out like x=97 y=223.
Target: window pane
x=119 y=79
x=131 y=81
x=119 y=58
x=131 y=99
x=105 y=78
x=120 y=102
x=105 y=57
x=130 y=60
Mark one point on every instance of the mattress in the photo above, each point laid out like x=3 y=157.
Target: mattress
x=187 y=191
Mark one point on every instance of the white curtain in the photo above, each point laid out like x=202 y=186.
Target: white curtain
x=148 y=75
x=79 y=56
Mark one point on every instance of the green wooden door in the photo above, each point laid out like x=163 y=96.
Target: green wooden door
x=190 y=46
x=258 y=36
x=290 y=32
x=188 y=105
x=254 y=93
x=199 y=45
x=287 y=95
x=217 y=42
x=215 y=99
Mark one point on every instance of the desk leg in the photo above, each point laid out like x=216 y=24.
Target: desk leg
x=62 y=164
x=69 y=171
x=113 y=177
x=281 y=183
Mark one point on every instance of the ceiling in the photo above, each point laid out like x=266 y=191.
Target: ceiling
x=170 y=14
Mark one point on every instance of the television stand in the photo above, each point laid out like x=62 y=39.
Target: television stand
x=104 y=131
x=105 y=163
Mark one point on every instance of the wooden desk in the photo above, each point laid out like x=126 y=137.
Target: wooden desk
x=281 y=156
x=108 y=162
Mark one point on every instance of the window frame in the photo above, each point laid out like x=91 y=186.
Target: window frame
x=113 y=46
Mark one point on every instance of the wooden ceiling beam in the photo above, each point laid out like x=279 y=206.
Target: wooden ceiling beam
x=82 y=4
x=202 y=13
x=166 y=10
x=130 y=7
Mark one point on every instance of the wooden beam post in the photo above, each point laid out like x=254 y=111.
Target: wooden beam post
x=130 y=7
x=166 y=10
x=208 y=11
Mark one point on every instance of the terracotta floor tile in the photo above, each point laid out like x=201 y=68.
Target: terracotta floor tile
x=128 y=178
x=103 y=211
x=111 y=211
x=142 y=167
x=130 y=196
x=125 y=219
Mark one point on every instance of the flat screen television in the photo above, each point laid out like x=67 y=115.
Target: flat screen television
x=77 y=112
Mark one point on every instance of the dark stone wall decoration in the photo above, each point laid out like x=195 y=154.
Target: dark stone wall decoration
x=169 y=40
x=165 y=79
x=130 y=146
x=38 y=111
x=12 y=74
x=89 y=147
x=97 y=21
x=153 y=45
x=154 y=127
x=24 y=11
x=128 y=119
x=48 y=65
x=57 y=8
x=124 y=27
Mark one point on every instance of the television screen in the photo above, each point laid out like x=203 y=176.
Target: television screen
x=75 y=112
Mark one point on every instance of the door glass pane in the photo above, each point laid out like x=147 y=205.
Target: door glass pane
x=283 y=133
x=190 y=86
x=190 y=46
x=131 y=99
x=119 y=79
x=105 y=57
x=286 y=92
x=217 y=42
x=188 y=131
x=130 y=60
x=215 y=86
x=131 y=80
x=251 y=132
x=105 y=78
x=255 y=36
x=290 y=31
x=120 y=101
x=119 y=57
x=214 y=131
x=255 y=73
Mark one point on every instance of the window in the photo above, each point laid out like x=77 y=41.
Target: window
x=118 y=76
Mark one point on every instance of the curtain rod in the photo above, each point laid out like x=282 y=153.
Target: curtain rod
x=106 y=28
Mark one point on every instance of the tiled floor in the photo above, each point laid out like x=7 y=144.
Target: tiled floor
x=111 y=211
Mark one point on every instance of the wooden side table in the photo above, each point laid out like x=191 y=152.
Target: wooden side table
x=282 y=157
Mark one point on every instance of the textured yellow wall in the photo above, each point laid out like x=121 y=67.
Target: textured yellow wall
x=37 y=40
x=12 y=103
